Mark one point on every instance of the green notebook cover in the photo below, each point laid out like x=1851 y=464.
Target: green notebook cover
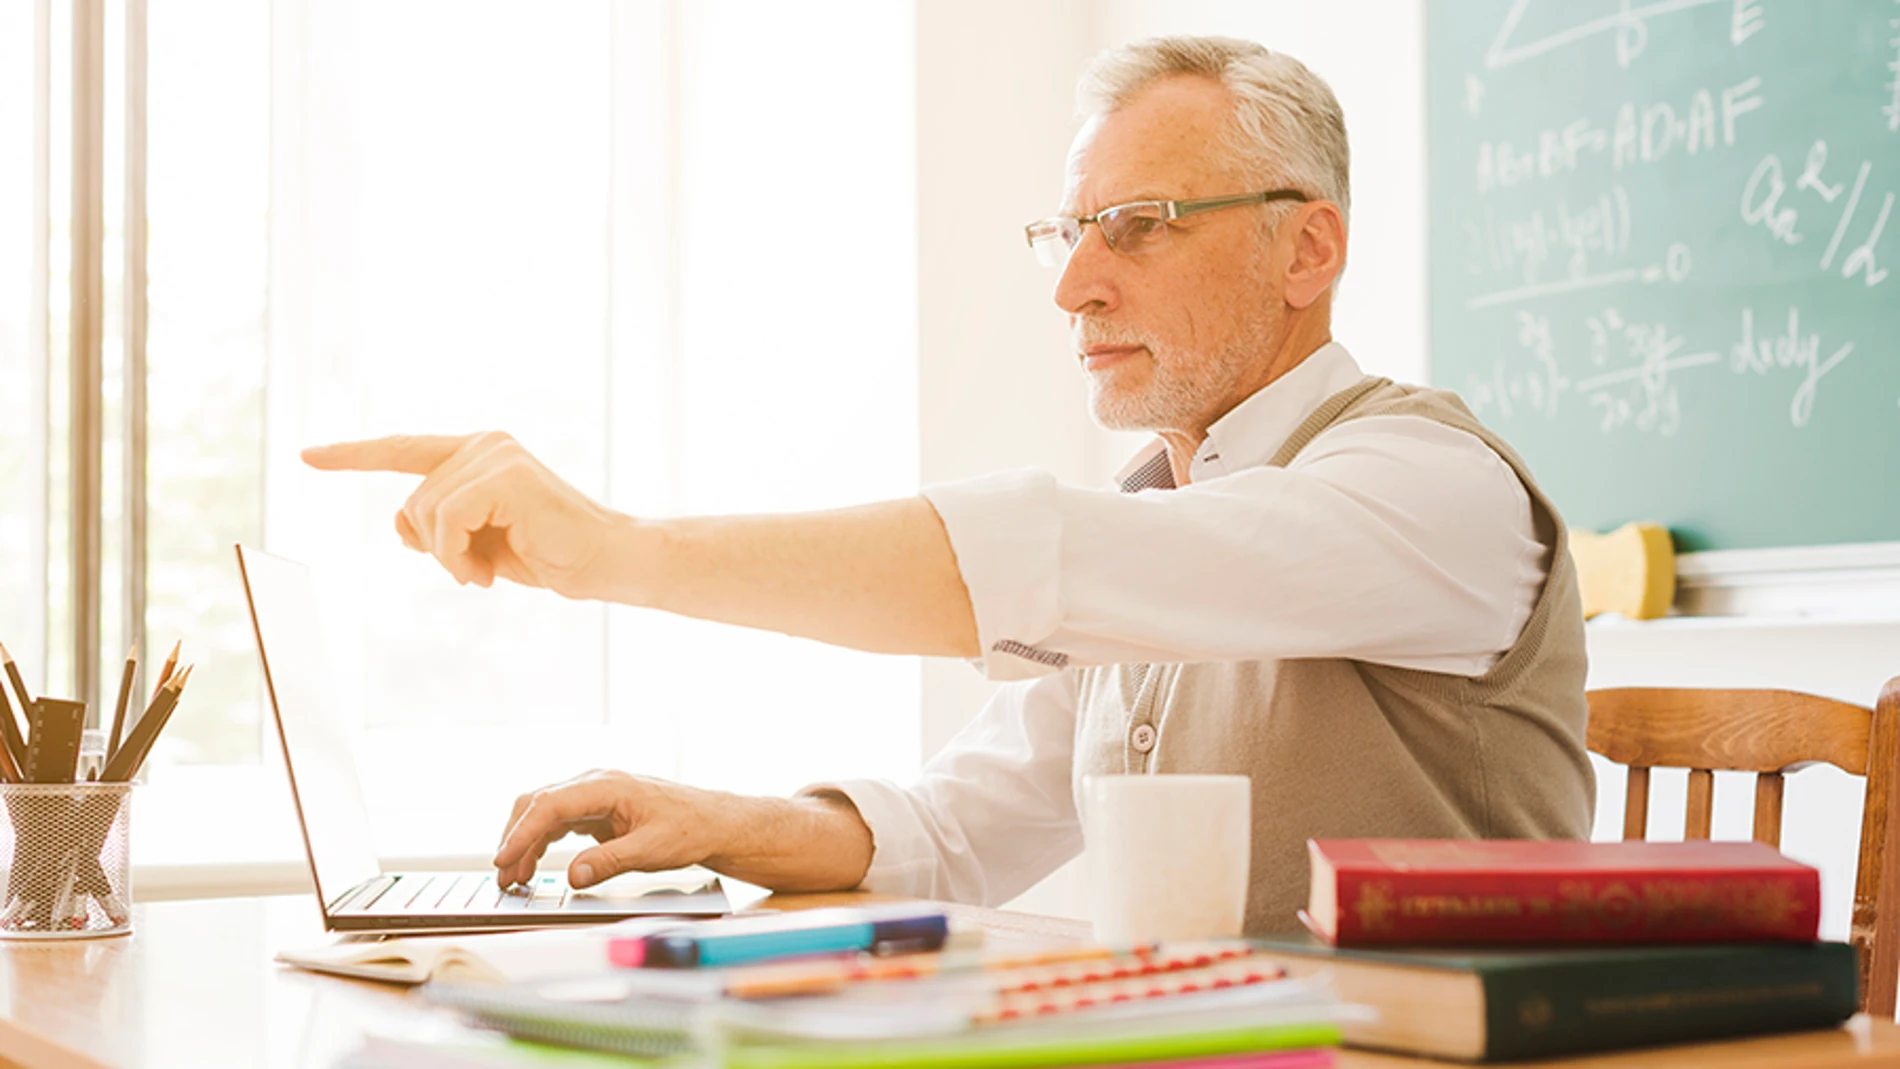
x=652 y=1027
x=1547 y=1002
x=641 y=1027
x=995 y=1051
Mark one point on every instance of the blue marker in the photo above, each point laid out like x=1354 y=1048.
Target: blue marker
x=894 y=929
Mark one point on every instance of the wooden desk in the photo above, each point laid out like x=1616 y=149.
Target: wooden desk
x=194 y=985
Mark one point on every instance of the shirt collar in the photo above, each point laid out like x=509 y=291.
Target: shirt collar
x=1249 y=434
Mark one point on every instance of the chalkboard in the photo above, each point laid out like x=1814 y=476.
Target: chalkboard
x=1665 y=256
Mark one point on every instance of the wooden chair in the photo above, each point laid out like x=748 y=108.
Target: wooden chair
x=1769 y=732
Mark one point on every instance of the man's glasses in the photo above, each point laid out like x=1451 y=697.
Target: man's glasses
x=1132 y=229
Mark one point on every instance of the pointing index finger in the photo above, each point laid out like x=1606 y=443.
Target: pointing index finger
x=411 y=454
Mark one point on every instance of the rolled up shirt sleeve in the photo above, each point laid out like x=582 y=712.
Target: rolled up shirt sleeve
x=1006 y=530
x=1391 y=539
x=992 y=813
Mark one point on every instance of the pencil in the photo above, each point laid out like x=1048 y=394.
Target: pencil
x=820 y=975
x=12 y=742
x=10 y=770
x=165 y=673
x=14 y=738
x=125 y=693
x=131 y=757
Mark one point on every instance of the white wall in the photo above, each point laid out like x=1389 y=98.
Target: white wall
x=995 y=120
x=997 y=387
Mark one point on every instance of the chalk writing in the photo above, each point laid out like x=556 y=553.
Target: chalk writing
x=1789 y=350
x=1761 y=202
x=1762 y=206
x=1638 y=362
x=1744 y=21
x=1541 y=389
x=1892 y=108
x=1861 y=260
x=1536 y=388
x=1572 y=234
x=1737 y=101
x=1580 y=152
x=1675 y=267
x=1811 y=176
x=1641 y=396
x=1630 y=25
x=1634 y=135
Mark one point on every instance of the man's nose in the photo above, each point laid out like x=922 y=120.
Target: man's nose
x=1087 y=282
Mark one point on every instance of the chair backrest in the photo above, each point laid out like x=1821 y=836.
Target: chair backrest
x=1770 y=732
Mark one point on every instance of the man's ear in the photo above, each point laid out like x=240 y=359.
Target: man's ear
x=1318 y=234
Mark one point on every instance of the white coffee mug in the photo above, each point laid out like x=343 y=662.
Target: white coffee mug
x=1167 y=856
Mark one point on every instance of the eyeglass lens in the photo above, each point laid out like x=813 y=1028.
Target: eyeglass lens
x=1129 y=229
x=1134 y=228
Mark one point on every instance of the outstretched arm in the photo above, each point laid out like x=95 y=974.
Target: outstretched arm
x=879 y=577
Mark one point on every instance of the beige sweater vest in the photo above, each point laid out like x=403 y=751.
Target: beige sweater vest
x=1341 y=748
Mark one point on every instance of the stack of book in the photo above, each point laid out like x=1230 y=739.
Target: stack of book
x=1503 y=950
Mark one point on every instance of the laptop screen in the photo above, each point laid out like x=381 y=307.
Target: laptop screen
x=323 y=783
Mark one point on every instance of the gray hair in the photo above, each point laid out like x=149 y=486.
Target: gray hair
x=1287 y=130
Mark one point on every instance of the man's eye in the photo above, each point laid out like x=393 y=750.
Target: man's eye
x=1138 y=228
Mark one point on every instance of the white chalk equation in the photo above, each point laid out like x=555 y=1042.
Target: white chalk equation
x=1708 y=119
x=1535 y=388
x=1563 y=248
x=1566 y=233
x=1662 y=251
x=1628 y=27
x=1763 y=206
x=1637 y=370
x=1674 y=268
x=1789 y=350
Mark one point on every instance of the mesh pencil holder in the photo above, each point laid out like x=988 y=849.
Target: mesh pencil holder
x=67 y=857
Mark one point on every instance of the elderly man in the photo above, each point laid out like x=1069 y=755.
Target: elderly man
x=1347 y=589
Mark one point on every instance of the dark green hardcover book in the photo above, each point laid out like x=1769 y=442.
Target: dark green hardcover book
x=1501 y=1005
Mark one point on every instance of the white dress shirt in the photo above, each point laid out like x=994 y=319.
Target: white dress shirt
x=1390 y=539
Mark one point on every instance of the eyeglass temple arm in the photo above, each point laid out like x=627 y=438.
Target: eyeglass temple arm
x=1190 y=207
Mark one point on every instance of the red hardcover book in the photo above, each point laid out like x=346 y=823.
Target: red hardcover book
x=1372 y=892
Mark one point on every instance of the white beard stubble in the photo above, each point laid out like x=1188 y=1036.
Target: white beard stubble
x=1183 y=389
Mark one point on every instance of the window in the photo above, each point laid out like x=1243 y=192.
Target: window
x=24 y=276
x=671 y=247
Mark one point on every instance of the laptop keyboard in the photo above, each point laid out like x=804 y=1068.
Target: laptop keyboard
x=457 y=893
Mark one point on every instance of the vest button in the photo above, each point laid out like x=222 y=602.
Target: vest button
x=1143 y=737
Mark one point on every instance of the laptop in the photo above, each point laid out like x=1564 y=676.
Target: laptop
x=356 y=895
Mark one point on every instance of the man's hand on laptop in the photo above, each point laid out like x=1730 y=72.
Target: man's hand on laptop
x=641 y=824
x=487 y=508
x=816 y=843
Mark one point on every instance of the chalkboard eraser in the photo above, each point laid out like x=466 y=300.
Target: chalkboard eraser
x=1631 y=570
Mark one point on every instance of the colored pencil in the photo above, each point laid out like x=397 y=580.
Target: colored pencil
x=1051 y=969
x=10 y=730
x=131 y=757
x=11 y=770
x=125 y=694
x=171 y=663
x=819 y=975
x=12 y=740
x=1019 y=1002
